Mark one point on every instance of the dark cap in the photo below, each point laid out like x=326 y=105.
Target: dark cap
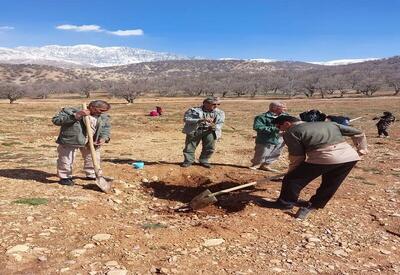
x=212 y=100
x=279 y=120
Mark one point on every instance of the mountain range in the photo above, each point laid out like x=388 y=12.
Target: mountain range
x=84 y=56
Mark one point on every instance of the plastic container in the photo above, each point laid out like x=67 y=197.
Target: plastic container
x=138 y=165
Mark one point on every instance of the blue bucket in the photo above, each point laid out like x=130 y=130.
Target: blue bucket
x=138 y=165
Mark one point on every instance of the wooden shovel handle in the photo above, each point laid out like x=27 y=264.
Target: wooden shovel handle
x=354 y=119
x=234 y=188
x=89 y=132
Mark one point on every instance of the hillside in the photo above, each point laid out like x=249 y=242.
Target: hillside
x=185 y=68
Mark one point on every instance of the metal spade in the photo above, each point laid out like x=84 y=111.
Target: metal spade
x=206 y=197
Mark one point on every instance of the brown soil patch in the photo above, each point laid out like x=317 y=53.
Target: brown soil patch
x=356 y=233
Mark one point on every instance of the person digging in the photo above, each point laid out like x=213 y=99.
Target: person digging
x=73 y=136
x=316 y=149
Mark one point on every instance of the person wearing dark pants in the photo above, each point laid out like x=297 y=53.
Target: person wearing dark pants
x=384 y=123
x=203 y=124
x=207 y=138
x=332 y=177
x=317 y=149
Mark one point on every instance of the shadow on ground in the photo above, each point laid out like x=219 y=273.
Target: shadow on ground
x=130 y=161
x=27 y=174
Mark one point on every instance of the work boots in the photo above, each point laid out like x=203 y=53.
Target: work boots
x=303 y=212
x=66 y=181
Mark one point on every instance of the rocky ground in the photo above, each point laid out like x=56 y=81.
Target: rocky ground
x=141 y=227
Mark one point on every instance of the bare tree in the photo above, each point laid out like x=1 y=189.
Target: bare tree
x=128 y=90
x=45 y=88
x=85 y=86
x=12 y=92
x=393 y=81
x=368 y=87
x=311 y=84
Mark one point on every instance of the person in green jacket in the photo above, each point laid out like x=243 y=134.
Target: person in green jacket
x=269 y=142
x=73 y=136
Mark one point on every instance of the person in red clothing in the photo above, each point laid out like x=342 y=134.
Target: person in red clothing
x=157 y=112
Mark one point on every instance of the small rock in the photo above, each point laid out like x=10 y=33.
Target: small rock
x=89 y=245
x=144 y=180
x=42 y=258
x=30 y=219
x=313 y=240
x=213 y=242
x=340 y=252
x=78 y=252
x=385 y=252
x=172 y=259
x=154 y=178
x=18 y=248
x=112 y=263
x=101 y=237
x=277 y=270
x=117 y=272
x=65 y=269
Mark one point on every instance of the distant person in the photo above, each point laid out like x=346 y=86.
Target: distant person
x=344 y=120
x=317 y=149
x=269 y=142
x=312 y=116
x=73 y=136
x=384 y=123
x=159 y=110
x=156 y=112
x=202 y=124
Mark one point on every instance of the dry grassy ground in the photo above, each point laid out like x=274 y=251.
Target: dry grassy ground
x=358 y=232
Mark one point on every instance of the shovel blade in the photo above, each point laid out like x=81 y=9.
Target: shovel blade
x=202 y=200
x=103 y=184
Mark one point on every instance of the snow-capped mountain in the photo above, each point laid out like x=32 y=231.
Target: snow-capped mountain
x=343 y=61
x=94 y=56
x=82 y=56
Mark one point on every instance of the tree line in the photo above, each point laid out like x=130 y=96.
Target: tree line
x=365 y=79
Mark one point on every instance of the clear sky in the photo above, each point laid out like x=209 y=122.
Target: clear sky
x=304 y=30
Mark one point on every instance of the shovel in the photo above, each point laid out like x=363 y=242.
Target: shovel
x=354 y=119
x=206 y=198
x=101 y=182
